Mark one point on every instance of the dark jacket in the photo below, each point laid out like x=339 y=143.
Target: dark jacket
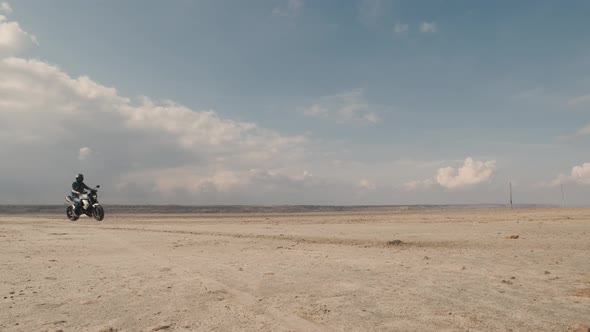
x=79 y=187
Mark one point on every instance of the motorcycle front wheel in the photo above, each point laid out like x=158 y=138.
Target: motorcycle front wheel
x=98 y=213
x=71 y=214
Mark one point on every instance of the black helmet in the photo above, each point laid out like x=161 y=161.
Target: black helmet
x=80 y=177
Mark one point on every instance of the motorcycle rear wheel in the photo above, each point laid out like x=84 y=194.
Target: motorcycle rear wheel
x=71 y=214
x=98 y=213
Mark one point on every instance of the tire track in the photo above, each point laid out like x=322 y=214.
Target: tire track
x=304 y=239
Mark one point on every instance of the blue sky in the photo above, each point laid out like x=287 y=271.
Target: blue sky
x=377 y=98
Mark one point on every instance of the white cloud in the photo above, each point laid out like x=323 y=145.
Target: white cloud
x=580 y=100
x=580 y=132
x=428 y=27
x=472 y=173
x=344 y=106
x=157 y=151
x=149 y=146
x=400 y=28
x=578 y=175
x=584 y=131
x=419 y=184
x=292 y=9
x=365 y=184
x=205 y=130
x=581 y=174
x=190 y=179
x=163 y=152
x=5 y=8
x=84 y=153
x=13 y=39
x=218 y=183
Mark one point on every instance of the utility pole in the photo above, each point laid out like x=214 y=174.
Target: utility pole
x=562 y=197
x=511 y=195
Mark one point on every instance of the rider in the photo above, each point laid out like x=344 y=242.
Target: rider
x=78 y=190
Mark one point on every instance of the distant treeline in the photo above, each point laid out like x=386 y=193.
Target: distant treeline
x=187 y=209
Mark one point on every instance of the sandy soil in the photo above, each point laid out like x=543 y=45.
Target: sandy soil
x=456 y=271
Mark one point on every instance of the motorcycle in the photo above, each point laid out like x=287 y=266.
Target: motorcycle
x=90 y=206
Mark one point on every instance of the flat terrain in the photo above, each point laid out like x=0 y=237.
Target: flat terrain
x=330 y=271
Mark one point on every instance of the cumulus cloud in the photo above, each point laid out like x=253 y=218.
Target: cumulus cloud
x=13 y=38
x=400 y=28
x=292 y=9
x=470 y=174
x=155 y=151
x=578 y=175
x=153 y=146
x=344 y=106
x=428 y=27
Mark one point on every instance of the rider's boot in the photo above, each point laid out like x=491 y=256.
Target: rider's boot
x=78 y=209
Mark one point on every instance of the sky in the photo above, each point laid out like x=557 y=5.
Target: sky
x=269 y=102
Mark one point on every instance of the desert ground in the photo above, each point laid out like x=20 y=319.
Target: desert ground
x=494 y=270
